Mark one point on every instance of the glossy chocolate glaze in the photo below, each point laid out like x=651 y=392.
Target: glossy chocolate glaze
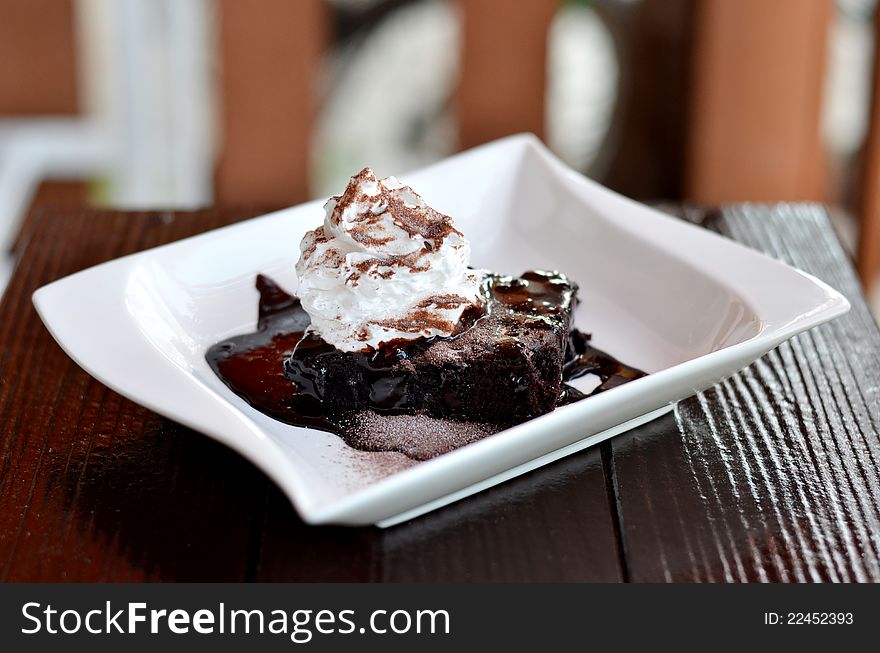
x=582 y=359
x=256 y=365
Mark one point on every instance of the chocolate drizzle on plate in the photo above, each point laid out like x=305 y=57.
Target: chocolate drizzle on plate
x=257 y=367
x=582 y=359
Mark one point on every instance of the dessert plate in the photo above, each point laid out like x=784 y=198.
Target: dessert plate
x=675 y=300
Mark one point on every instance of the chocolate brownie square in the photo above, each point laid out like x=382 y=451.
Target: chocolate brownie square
x=504 y=368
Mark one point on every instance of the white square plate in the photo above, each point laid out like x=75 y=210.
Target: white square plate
x=684 y=304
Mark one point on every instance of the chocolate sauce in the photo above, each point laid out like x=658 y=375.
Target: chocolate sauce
x=256 y=366
x=582 y=359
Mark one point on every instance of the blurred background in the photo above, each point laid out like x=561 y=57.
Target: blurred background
x=188 y=103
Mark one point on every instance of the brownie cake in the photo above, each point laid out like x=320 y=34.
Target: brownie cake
x=505 y=367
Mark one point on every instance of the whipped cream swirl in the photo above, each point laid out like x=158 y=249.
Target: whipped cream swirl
x=385 y=266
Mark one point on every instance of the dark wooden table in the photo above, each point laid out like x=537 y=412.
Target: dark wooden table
x=773 y=475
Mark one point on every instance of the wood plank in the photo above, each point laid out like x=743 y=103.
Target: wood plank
x=92 y=486
x=755 y=105
x=51 y=196
x=503 y=70
x=553 y=524
x=270 y=54
x=773 y=475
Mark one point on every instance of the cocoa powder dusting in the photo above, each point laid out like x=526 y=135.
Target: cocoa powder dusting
x=417 y=321
x=422 y=220
x=319 y=238
x=419 y=437
x=448 y=300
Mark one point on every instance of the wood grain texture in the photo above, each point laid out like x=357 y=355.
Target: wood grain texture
x=773 y=474
x=94 y=487
x=553 y=524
